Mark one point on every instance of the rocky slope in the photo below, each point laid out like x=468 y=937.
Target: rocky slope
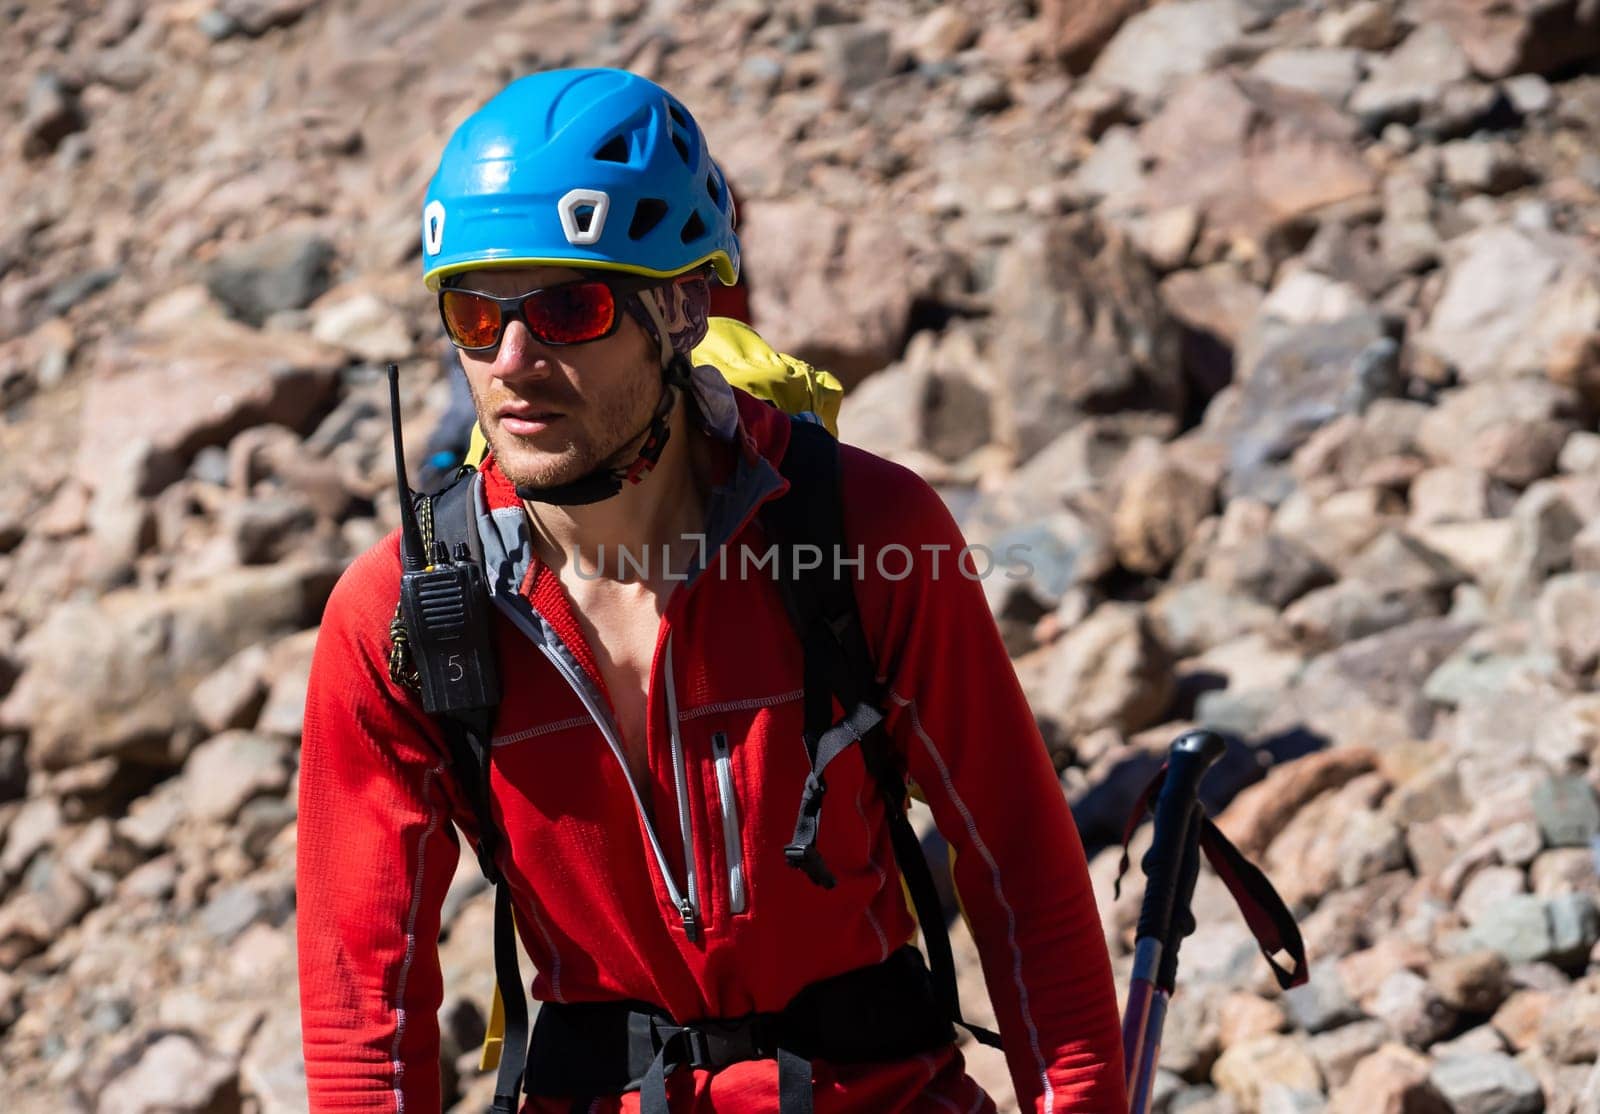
x=1273 y=330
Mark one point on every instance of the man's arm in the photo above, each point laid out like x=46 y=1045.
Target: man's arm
x=958 y=714
x=376 y=852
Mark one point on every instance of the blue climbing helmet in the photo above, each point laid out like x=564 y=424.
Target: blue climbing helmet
x=592 y=168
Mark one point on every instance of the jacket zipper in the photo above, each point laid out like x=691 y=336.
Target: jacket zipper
x=732 y=845
x=689 y=908
x=602 y=717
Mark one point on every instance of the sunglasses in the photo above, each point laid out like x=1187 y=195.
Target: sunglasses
x=575 y=312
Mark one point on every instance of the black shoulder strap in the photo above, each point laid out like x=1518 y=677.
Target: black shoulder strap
x=808 y=525
x=449 y=516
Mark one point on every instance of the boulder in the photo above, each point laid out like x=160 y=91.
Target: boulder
x=1108 y=671
x=112 y=677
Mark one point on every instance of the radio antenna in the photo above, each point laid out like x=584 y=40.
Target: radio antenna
x=411 y=555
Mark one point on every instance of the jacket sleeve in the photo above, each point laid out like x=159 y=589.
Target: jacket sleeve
x=959 y=717
x=376 y=852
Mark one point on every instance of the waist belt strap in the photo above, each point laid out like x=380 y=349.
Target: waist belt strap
x=880 y=1013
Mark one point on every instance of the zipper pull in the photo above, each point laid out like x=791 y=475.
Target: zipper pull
x=691 y=923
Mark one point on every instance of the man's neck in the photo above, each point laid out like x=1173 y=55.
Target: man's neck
x=662 y=510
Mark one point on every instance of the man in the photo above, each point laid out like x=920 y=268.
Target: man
x=647 y=755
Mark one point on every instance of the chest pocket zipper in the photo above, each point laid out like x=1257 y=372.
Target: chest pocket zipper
x=733 y=847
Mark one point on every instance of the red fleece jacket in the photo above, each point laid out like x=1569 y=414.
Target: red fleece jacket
x=377 y=848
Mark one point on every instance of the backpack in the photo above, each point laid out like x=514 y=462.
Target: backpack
x=837 y=665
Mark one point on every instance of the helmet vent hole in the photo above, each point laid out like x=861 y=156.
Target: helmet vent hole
x=683 y=148
x=583 y=216
x=614 y=150
x=646 y=215
x=713 y=188
x=693 y=228
x=677 y=115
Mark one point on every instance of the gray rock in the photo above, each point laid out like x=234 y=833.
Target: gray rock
x=174 y=1075
x=1337 y=1051
x=1331 y=74
x=1567 y=810
x=1406 y=83
x=1474 y=1042
x=1108 y=671
x=51 y=113
x=224 y=772
x=1472 y=671
x=34 y=827
x=1280 y=1099
x=854 y=54
x=1491 y=1083
x=265 y=530
x=1512 y=430
x=1272 y=569
x=1353 y=609
x=232 y=695
x=284 y=271
x=1413 y=1009
x=1061 y=552
x=1242 y=714
x=1518 y=928
x=1368 y=691
x=1194 y=617
x=983 y=92
x=1322 y=1003
x=1529 y=94
x=112 y=677
x=1301 y=381
x=1159 y=45
x=1511 y=298
x=1087 y=332
x=1522 y=37
x=1568 y=618
x=1574 y=927
x=1484 y=166
x=231 y=910
x=78 y=288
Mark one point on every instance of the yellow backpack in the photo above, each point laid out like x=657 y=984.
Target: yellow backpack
x=751 y=364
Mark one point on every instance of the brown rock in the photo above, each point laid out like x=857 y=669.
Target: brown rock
x=1364 y=972
x=1245 y=1070
x=1564 y=870
x=1473 y=983
x=1520 y=1015
x=1250 y=156
x=853 y=329
x=1412 y=1009
x=1339 y=1051
x=1078 y=31
x=1519 y=36
x=1242 y=1017
x=183 y=392
x=1254 y=818
x=1570 y=1032
x=1087 y=334
x=1393 y=1080
x=232 y=695
x=1160 y=508
x=113 y=677
x=1109 y=671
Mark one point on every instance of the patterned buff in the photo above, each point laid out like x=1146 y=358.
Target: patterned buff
x=681 y=304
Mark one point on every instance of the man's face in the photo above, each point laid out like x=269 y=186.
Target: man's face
x=555 y=413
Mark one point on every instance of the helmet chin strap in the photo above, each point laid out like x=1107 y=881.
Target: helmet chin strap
x=607 y=480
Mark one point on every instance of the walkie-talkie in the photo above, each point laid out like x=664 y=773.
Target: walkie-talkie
x=445 y=604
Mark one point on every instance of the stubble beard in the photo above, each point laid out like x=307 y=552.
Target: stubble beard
x=602 y=431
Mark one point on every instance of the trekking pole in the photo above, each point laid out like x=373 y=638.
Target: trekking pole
x=1165 y=918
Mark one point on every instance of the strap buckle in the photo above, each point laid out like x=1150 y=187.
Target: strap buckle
x=806 y=857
